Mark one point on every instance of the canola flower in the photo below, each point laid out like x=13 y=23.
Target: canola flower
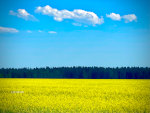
x=74 y=96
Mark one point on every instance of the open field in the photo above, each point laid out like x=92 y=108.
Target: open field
x=74 y=95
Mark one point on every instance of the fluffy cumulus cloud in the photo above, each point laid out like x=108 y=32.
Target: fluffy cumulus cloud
x=129 y=18
x=114 y=16
x=8 y=30
x=52 y=32
x=117 y=17
x=78 y=15
x=22 y=13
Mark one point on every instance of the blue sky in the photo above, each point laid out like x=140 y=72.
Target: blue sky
x=39 y=33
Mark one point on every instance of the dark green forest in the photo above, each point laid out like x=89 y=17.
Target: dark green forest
x=77 y=72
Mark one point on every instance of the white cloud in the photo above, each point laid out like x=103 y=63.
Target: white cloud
x=114 y=16
x=22 y=13
x=28 y=31
x=76 y=24
x=77 y=15
x=129 y=18
x=52 y=32
x=9 y=30
x=40 y=31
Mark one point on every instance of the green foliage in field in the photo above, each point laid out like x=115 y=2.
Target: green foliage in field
x=74 y=95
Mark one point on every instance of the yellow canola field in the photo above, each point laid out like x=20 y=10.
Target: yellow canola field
x=74 y=96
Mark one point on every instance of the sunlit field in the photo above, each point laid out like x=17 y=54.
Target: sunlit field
x=74 y=95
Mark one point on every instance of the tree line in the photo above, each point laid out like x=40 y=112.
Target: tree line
x=77 y=72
